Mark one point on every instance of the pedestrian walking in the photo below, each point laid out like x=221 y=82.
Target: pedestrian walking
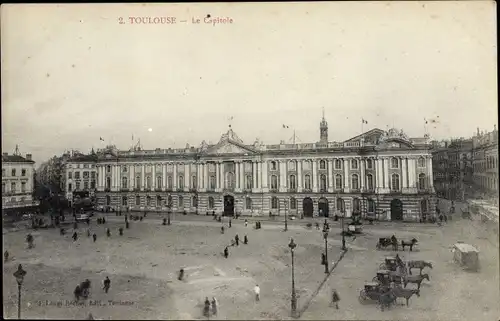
x=120 y=230
x=246 y=222
x=229 y=222
x=140 y=219
x=6 y=256
x=107 y=284
x=256 y=290
x=108 y=232
x=94 y=236
x=88 y=232
x=226 y=252
x=103 y=220
x=90 y=317
x=164 y=222
x=237 y=240
x=75 y=236
x=335 y=299
x=245 y=240
x=88 y=221
x=126 y=224
x=214 y=306
x=206 y=308
x=62 y=231
x=181 y=275
x=222 y=229
x=77 y=292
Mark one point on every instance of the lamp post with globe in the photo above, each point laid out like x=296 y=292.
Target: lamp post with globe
x=19 y=275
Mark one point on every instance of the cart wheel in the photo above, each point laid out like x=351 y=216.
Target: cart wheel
x=362 y=296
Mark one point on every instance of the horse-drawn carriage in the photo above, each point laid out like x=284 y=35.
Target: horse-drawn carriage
x=372 y=292
x=383 y=277
x=385 y=242
x=391 y=263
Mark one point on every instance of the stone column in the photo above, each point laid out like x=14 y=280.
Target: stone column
x=131 y=180
x=242 y=174
x=413 y=178
x=314 y=175
x=386 y=174
x=330 y=175
x=299 y=175
x=222 y=176
x=259 y=174
x=117 y=177
x=346 y=174
x=174 y=177
x=205 y=175
x=153 y=173
x=164 y=178
x=187 y=178
x=362 y=179
x=265 y=176
x=404 y=175
x=282 y=176
x=143 y=177
x=430 y=179
x=254 y=175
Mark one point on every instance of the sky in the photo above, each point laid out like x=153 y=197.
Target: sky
x=73 y=73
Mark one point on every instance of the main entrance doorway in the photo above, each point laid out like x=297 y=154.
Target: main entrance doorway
x=228 y=205
x=308 y=207
x=323 y=207
x=396 y=210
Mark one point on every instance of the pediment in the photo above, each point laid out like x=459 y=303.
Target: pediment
x=394 y=143
x=370 y=137
x=229 y=147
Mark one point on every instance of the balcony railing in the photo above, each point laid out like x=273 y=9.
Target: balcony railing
x=158 y=189
x=193 y=190
x=147 y=189
x=228 y=189
x=247 y=190
x=124 y=189
x=292 y=190
x=107 y=189
x=168 y=189
x=323 y=190
x=307 y=190
x=180 y=189
x=273 y=190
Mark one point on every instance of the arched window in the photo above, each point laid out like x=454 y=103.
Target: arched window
x=274 y=182
x=148 y=200
x=124 y=182
x=194 y=201
x=322 y=164
x=229 y=178
x=108 y=182
x=108 y=168
x=108 y=200
x=273 y=165
x=421 y=181
x=138 y=181
x=293 y=182
x=395 y=182
x=371 y=206
x=322 y=182
x=248 y=180
x=158 y=200
x=137 y=200
x=307 y=182
x=181 y=181
x=193 y=181
x=369 y=181
x=274 y=202
x=307 y=165
x=340 y=205
x=394 y=162
x=148 y=181
x=354 y=163
x=169 y=182
x=293 y=203
x=356 y=205
x=421 y=162
x=181 y=202
x=248 y=203
x=124 y=168
x=355 y=181
x=338 y=164
x=169 y=201
x=210 y=202
x=369 y=163
x=159 y=181
x=338 y=181
x=291 y=165
x=212 y=182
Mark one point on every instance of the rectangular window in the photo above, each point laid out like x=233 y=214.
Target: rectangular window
x=70 y=175
x=23 y=187
x=23 y=172
x=13 y=172
x=85 y=185
x=77 y=175
x=77 y=186
x=70 y=188
x=92 y=184
x=12 y=187
x=92 y=175
x=85 y=165
x=86 y=174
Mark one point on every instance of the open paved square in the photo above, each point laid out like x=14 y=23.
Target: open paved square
x=143 y=264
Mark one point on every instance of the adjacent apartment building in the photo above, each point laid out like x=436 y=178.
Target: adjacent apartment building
x=485 y=163
x=17 y=183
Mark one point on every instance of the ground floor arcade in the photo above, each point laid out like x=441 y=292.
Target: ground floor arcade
x=395 y=207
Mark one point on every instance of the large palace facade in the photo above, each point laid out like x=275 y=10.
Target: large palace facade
x=383 y=174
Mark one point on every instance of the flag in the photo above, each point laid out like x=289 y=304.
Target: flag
x=285 y=126
x=426 y=122
x=100 y=138
x=364 y=121
x=132 y=137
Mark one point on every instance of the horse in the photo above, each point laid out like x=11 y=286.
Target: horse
x=415 y=279
x=410 y=243
x=399 y=292
x=386 y=299
x=418 y=265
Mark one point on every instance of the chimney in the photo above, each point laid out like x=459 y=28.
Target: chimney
x=28 y=157
x=478 y=131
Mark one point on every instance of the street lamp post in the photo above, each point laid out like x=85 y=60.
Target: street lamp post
x=325 y=235
x=292 y=246
x=19 y=275
x=343 y=231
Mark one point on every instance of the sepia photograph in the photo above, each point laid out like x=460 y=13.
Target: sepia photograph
x=250 y=161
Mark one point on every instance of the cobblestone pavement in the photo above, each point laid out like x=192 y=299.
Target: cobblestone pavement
x=143 y=263
x=451 y=294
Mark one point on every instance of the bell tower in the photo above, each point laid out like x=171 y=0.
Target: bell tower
x=323 y=130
